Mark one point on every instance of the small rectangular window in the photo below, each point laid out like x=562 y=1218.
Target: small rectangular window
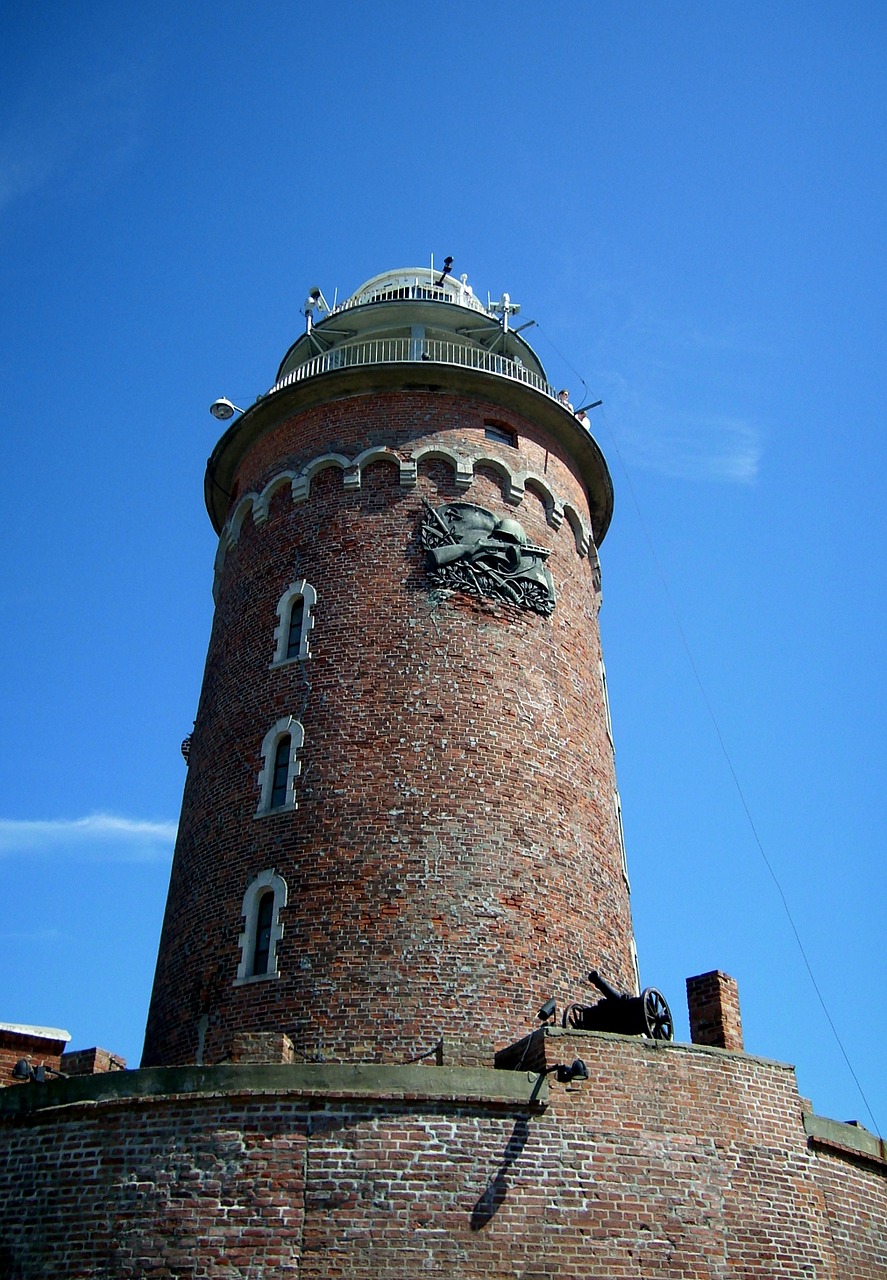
x=500 y=433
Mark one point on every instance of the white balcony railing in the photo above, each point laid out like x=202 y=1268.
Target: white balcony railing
x=408 y=286
x=406 y=350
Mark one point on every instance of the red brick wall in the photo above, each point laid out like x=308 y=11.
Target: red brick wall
x=854 y=1206
x=15 y=1045
x=454 y=859
x=668 y=1161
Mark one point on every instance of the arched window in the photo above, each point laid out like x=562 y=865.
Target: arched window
x=295 y=621
x=280 y=766
x=262 y=927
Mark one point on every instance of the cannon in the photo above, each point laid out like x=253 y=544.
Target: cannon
x=645 y=1015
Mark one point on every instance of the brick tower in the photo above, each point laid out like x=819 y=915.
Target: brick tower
x=400 y=821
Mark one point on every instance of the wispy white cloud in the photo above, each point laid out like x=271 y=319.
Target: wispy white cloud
x=33 y=935
x=78 y=139
x=698 y=448
x=104 y=836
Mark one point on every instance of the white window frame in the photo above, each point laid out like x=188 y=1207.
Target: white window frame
x=288 y=726
x=304 y=591
x=617 y=805
x=607 y=716
x=256 y=890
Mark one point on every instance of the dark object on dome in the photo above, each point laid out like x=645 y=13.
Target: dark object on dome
x=645 y=1015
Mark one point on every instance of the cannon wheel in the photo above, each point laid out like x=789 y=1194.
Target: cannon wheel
x=657 y=1015
x=574 y=1017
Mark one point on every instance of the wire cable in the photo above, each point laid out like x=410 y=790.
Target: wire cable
x=726 y=754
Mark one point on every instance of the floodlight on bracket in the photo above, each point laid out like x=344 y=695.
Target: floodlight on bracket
x=314 y=302
x=577 y=1070
x=504 y=308
x=23 y=1070
x=223 y=409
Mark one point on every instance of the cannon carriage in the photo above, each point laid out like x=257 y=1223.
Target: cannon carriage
x=645 y=1015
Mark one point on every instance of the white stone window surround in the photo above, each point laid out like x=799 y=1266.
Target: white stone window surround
x=287 y=726
x=637 y=968
x=608 y=718
x=617 y=805
x=301 y=590
x=256 y=890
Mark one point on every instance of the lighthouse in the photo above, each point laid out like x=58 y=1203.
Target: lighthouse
x=401 y=820
x=372 y=1050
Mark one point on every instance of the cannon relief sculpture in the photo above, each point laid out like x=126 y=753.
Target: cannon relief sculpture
x=471 y=549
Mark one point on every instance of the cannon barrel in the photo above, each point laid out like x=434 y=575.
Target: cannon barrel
x=604 y=987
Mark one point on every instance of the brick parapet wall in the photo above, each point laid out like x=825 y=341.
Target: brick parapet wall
x=90 y=1062
x=457 y=783
x=668 y=1161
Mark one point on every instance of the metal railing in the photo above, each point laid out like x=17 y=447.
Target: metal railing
x=413 y=288
x=406 y=350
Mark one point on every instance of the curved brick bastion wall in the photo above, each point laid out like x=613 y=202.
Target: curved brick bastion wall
x=454 y=852
x=670 y=1160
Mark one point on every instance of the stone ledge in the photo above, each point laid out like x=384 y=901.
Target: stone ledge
x=368 y=1082
x=850 y=1141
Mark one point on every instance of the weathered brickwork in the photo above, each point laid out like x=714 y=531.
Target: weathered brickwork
x=454 y=858
x=669 y=1161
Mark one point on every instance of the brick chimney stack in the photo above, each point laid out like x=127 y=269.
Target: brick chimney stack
x=713 y=1001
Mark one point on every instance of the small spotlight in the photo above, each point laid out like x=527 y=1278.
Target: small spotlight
x=22 y=1070
x=577 y=1070
x=223 y=409
x=548 y=1010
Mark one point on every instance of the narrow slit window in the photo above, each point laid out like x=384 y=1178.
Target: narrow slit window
x=280 y=766
x=281 y=774
x=297 y=618
x=263 y=927
x=295 y=622
x=264 y=922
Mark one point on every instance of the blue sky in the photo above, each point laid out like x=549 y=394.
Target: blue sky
x=690 y=200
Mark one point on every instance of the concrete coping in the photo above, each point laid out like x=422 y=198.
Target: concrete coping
x=848 y=1140
x=479 y=1086
x=35 y=1033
